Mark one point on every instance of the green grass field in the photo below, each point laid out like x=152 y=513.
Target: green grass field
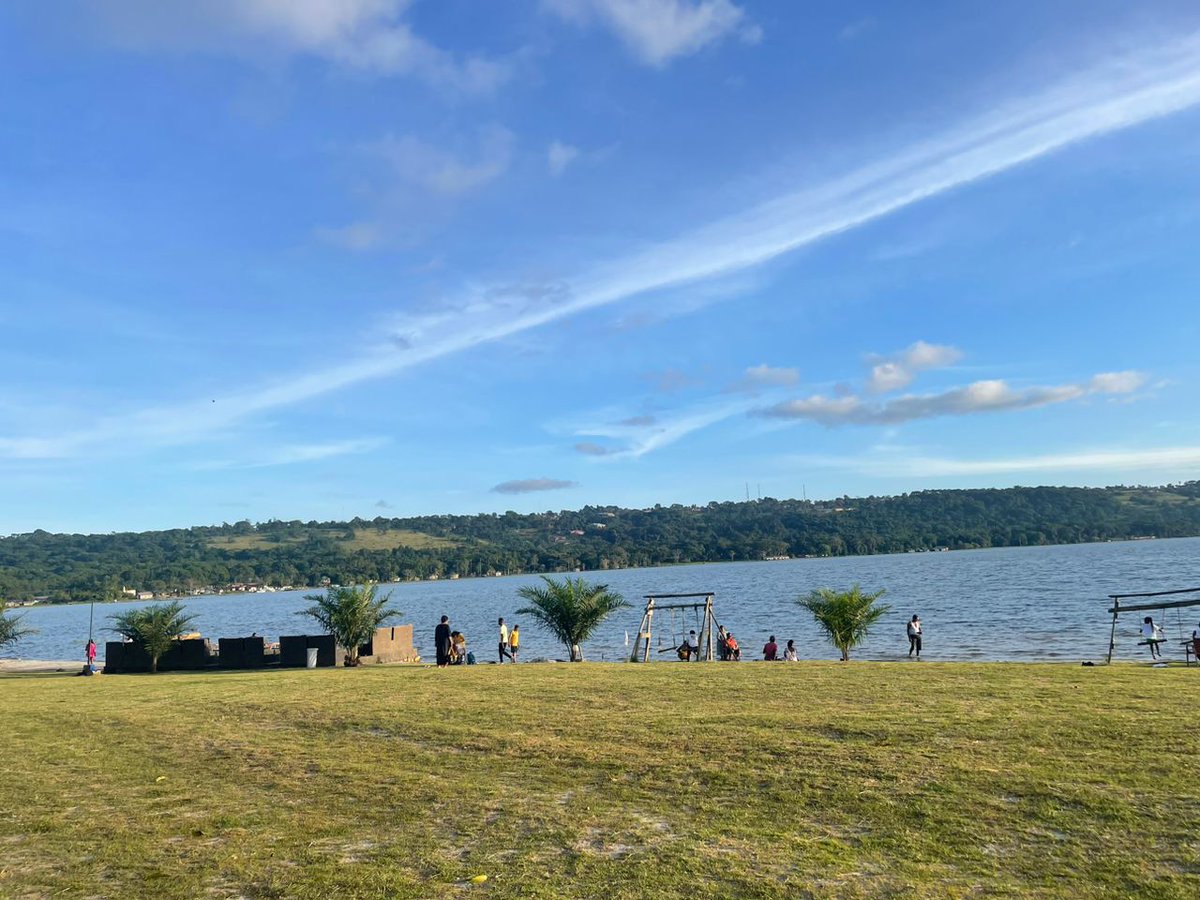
x=364 y=539
x=721 y=780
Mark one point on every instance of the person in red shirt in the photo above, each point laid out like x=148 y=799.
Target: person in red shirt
x=732 y=650
x=771 y=649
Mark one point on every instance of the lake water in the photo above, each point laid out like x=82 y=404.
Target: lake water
x=1027 y=603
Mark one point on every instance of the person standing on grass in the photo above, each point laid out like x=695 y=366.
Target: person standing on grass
x=441 y=641
x=514 y=642
x=693 y=645
x=914 y=636
x=504 y=651
x=91 y=653
x=770 y=649
x=789 y=652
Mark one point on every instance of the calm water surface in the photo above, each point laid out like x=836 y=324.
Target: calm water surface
x=1027 y=603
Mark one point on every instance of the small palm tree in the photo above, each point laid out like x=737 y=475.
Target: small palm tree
x=570 y=609
x=11 y=629
x=844 y=616
x=351 y=615
x=155 y=627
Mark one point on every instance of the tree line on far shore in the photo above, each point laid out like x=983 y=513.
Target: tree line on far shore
x=64 y=567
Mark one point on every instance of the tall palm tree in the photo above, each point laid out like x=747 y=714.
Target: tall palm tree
x=351 y=614
x=155 y=627
x=11 y=629
x=570 y=609
x=844 y=616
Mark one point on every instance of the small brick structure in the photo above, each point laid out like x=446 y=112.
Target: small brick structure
x=293 y=650
x=393 y=643
x=187 y=655
x=241 y=653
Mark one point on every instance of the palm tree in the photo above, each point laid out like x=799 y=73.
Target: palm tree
x=570 y=609
x=351 y=615
x=844 y=616
x=11 y=629
x=155 y=627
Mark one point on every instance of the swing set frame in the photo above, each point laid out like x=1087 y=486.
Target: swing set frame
x=1117 y=608
x=701 y=603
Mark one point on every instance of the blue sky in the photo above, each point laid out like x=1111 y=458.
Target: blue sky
x=324 y=258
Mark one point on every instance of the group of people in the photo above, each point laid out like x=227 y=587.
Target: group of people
x=728 y=648
x=451 y=646
x=771 y=651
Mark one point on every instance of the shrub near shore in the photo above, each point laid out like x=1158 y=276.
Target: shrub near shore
x=753 y=780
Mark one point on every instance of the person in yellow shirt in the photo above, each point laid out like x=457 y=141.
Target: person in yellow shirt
x=514 y=642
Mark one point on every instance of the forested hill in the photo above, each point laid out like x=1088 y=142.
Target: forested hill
x=78 y=567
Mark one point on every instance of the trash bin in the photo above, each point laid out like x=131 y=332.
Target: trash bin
x=312 y=658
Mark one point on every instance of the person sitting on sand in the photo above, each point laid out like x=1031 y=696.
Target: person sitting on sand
x=770 y=649
x=1152 y=636
x=789 y=652
x=914 y=636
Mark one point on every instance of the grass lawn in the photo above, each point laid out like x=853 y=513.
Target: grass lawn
x=720 y=780
x=364 y=539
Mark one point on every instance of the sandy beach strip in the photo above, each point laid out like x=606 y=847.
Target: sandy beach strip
x=27 y=666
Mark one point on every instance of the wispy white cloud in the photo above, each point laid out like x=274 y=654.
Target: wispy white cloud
x=533 y=485
x=858 y=28
x=293 y=454
x=1180 y=461
x=638 y=435
x=355 y=236
x=559 y=156
x=1122 y=93
x=366 y=35
x=437 y=170
x=657 y=31
x=758 y=377
x=890 y=373
x=979 y=397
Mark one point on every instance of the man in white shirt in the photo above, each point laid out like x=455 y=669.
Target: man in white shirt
x=504 y=651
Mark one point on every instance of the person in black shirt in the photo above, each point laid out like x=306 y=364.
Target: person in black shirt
x=441 y=639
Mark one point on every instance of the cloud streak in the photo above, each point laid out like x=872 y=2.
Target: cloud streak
x=989 y=396
x=365 y=35
x=1123 y=93
x=1166 y=459
x=657 y=31
x=533 y=485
